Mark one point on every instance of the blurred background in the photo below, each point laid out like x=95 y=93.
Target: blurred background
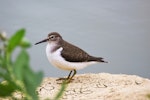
x=116 y=30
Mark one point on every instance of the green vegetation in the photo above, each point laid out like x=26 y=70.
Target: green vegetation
x=16 y=76
x=148 y=95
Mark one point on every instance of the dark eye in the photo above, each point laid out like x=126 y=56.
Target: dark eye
x=52 y=37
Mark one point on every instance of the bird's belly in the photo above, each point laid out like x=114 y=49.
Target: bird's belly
x=57 y=60
x=65 y=65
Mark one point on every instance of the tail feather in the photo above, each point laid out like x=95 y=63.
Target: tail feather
x=98 y=59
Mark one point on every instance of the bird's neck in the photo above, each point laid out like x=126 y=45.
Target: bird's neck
x=52 y=47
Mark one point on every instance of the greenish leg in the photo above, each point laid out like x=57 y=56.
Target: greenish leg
x=65 y=78
x=69 y=79
x=69 y=75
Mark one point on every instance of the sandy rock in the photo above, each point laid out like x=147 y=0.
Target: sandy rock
x=101 y=86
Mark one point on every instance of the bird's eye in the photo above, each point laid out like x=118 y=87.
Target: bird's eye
x=52 y=37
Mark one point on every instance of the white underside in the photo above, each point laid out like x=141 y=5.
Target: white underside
x=56 y=60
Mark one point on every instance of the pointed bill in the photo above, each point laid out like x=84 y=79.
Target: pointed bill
x=45 y=40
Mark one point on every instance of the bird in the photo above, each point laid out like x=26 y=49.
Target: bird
x=67 y=56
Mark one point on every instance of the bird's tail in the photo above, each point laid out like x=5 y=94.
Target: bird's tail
x=98 y=59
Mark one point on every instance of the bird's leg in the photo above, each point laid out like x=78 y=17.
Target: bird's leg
x=73 y=74
x=70 y=78
x=65 y=78
x=69 y=74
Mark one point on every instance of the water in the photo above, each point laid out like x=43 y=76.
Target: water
x=115 y=30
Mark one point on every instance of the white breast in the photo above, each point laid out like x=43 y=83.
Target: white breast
x=56 y=59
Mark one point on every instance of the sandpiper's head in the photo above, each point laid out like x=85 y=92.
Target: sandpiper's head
x=52 y=37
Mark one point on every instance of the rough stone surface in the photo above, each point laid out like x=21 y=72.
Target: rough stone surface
x=101 y=86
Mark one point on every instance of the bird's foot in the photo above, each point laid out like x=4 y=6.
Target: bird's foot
x=59 y=79
x=66 y=80
x=69 y=78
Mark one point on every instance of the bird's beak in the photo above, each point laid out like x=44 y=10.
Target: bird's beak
x=45 y=40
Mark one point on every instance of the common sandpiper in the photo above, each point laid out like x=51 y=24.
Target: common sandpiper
x=67 y=56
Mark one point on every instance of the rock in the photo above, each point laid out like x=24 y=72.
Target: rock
x=101 y=86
